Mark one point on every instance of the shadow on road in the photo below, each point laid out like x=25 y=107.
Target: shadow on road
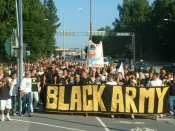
x=73 y=122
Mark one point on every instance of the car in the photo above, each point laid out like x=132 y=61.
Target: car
x=125 y=61
x=168 y=69
x=142 y=66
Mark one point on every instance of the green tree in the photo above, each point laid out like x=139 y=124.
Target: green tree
x=38 y=33
x=161 y=32
x=133 y=14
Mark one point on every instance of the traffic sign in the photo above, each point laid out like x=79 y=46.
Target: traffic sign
x=8 y=47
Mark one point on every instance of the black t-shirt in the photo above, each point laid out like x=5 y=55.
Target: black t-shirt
x=162 y=77
x=85 y=80
x=172 y=87
x=122 y=82
x=50 y=75
x=35 y=80
x=61 y=81
x=142 y=81
x=4 y=92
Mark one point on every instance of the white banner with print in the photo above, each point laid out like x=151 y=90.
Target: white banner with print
x=95 y=55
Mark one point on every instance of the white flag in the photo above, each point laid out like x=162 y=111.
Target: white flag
x=121 y=69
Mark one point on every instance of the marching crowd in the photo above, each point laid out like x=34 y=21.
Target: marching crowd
x=37 y=75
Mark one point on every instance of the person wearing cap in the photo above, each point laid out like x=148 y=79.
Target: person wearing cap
x=5 y=100
x=163 y=75
x=14 y=87
x=25 y=90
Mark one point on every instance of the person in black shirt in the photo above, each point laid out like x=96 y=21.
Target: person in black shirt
x=141 y=80
x=149 y=78
x=77 y=79
x=163 y=75
x=48 y=78
x=171 y=109
x=49 y=74
x=120 y=79
x=5 y=99
x=85 y=79
x=127 y=80
x=35 y=90
x=59 y=79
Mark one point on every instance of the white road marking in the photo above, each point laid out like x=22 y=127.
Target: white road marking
x=101 y=122
x=73 y=129
x=143 y=129
x=128 y=122
x=165 y=119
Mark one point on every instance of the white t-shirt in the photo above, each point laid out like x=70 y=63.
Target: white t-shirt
x=14 y=87
x=26 y=85
x=111 y=83
x=40 y=73
x=157 y=82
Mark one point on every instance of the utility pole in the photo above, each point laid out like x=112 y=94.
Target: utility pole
x=91 y=20
x=20 y=49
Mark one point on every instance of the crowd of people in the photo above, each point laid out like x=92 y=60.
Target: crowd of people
x=37 y=75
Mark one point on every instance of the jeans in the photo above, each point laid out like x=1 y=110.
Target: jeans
x=34 y=100
x=171 y=104
x=26 y=100
x=13 y=101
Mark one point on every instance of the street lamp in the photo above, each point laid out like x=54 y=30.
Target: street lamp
x=168 y=20
x=79 y=9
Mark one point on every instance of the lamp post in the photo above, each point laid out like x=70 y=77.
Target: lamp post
x=79 y=9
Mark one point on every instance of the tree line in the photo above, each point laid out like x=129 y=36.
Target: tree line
x=40 y=23
x=154 y=35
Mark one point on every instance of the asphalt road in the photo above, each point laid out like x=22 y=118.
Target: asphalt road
x=42 y=121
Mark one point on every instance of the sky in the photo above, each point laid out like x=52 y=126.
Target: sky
x=104 y=13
